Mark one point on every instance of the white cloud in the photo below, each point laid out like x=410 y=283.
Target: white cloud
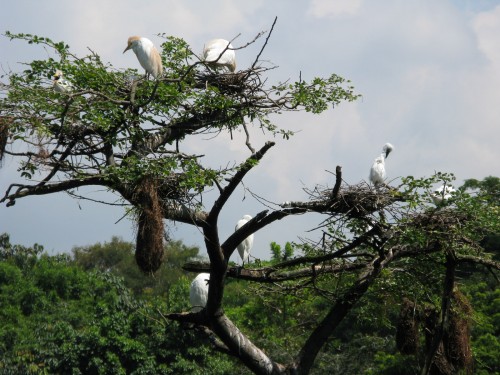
x=487 y=28
x=333 y=8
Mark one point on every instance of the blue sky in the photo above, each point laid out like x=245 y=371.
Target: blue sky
x=429 y=73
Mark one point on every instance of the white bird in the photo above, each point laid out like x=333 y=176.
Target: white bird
x=442 y=194
x=212 y=53
x=147 y=54
x=246 y=245
x=198 y=293
x=377 y=171
x=60 y=84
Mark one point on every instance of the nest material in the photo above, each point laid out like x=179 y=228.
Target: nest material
x=4 y=134
x=149 y=248
x=171 y=188
x=440 y=364
x=224 y=82
x=407 y=328
x=439 y=219
x=457 y=337
x=454 y=352
x=354 y=200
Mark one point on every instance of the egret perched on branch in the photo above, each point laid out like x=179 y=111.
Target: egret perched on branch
x=442 y=194
x=246 y=245
x=377 y=171
x=220 y=52
x=147 y=54
x=198 y=293
x=60 y=84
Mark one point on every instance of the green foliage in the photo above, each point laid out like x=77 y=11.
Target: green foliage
x=58 y=318
x=278 y=255
x=117 y=257
x=315 y=96
x=488 y=189
x=127 y=113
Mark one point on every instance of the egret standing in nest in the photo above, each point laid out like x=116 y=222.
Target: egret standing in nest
x=147 y=54
x=442 y=194
x=377 y=171
x=198 y=293
x=60 y=84
x=220 y=52
x=246 y=245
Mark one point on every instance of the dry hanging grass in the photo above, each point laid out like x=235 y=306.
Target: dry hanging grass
x=149 y=248
x=407 y=328
x=4 y=134
x=457 y=338
x=454 y=353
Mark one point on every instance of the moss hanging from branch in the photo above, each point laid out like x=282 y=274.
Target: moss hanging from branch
x=407 y=335
x=149 y=248
x=4 y=135
x=457 y=338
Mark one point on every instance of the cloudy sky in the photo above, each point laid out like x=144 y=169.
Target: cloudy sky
x=428 y=71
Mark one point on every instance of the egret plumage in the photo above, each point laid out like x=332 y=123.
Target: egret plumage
x=198 y=293
x=377 y=171
x=61 y=84
x=219 y=52
x=246 y=245
x=147 y=54
x=442 y=194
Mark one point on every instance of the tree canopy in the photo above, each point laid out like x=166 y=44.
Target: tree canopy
x=125 y=132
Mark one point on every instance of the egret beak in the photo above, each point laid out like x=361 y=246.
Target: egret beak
x=128 y=47
x=387 y=152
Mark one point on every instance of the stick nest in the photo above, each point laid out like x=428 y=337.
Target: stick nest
x=354 y=200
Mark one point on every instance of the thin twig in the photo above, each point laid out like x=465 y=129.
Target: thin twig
x=265 y=43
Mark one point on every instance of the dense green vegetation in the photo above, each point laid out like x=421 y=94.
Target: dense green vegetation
x=95 y=313
x=65 y=315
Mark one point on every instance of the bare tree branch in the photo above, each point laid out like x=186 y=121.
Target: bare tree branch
x=338 y=182
x=236 y=179
x=26 y=190
x=477 y=260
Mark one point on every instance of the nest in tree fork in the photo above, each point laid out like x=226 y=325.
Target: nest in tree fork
x=149 y=248
x=354 y=200
x=225 y=82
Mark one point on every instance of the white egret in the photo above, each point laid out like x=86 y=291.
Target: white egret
x=442 y=194
x=60 y=84
x=147 y=54
x=246 y=245
x=198 y=293
x=212 y=53
x=377 y=171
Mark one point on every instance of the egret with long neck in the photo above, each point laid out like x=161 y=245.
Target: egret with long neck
x=377 y=171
